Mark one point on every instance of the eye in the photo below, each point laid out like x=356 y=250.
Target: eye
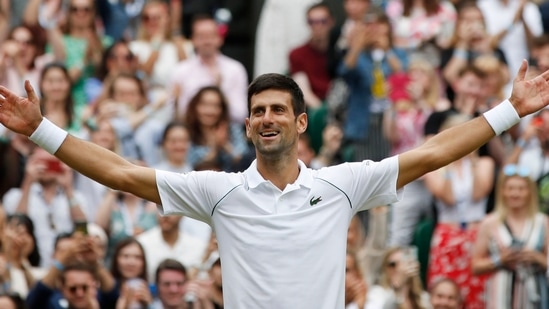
x=258 y=111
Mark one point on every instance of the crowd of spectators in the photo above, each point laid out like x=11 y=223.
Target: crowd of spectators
x=147 y=79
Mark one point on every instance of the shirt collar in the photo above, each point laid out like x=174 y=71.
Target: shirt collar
x=254 y=179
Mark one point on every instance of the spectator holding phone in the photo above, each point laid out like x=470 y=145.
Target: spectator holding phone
x=399 y=283
x=19 y=255
x=47 y=196
x=129 y=269
x=76 y=279
x=512 y=245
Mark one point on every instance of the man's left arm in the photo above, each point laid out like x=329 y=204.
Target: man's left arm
x=528 y=96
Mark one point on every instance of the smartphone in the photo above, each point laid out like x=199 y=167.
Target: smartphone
x=134 y=283
x=410 y=253
x=53 y=166
x=81 y=226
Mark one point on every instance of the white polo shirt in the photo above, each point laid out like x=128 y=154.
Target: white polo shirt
x=281 y=249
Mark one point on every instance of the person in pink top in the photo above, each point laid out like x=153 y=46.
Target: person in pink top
x=210 y=68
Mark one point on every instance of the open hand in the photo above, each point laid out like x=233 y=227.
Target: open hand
x=19 y=114
x=529 y=96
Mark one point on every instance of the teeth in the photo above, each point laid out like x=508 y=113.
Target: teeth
x=268 y=133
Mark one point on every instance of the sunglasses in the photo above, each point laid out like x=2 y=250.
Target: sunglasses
x=515 y=170
x=85 y=9
x=147 y=18
x=73 y=289
x=24 y=42
x=319 y=21
x=127 y=57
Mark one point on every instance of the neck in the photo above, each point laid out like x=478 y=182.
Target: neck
x=171 y=236
x=53 y=105
x=517 y=214
x=79 y=32
x=208 y=60
x=281 y=171
x=178 y=162
x=320 y=44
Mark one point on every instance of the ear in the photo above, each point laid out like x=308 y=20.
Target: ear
x=302 y=122
x=248 y=128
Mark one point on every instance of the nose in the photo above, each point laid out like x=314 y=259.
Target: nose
x=268 y=116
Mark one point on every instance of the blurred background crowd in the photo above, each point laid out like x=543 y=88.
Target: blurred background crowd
x=164 y=84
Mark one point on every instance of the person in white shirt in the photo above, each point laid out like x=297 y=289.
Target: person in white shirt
x=167 y=241
x=281 y=227
x=48 y=197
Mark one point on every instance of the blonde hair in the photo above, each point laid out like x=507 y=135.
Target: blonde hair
x=432 y=94
x=501 y=208
x=490 y=64
x=167 y=31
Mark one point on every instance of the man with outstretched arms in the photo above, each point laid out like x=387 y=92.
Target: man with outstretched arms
x=281 y=227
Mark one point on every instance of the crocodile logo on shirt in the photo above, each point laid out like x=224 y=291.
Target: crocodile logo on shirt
x=314 y=201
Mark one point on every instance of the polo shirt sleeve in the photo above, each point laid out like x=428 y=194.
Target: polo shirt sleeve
x=373 y=183
x=188 y=194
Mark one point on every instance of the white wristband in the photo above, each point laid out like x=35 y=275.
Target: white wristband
x=48 y=136
x=502 y=117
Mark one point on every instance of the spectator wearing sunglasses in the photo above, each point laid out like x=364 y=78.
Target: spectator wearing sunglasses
x=511 y=246
x=535 y=156
x=74 y=39
x=399 y=284
x=117 y=59
x=156 y=50
x=21 y=58
x=308 y=62
x=76 y=280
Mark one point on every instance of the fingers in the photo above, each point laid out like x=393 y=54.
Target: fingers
x=522 y=71
x=6 y=94
x=30 y=92
x=545 y=75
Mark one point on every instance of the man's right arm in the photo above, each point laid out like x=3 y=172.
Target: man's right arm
x=22 y=115
x=108 y=168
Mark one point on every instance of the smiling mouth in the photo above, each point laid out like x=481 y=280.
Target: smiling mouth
x=268 y=134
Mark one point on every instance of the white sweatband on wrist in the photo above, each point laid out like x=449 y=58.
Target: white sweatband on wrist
x=48 y=136
x=502 y=117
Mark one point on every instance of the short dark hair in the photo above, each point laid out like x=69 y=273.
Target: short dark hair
x=78 y=266
x=320 y=5
x=199 y=18
x=540 y=41
x=274 y=81
x=170 y=264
